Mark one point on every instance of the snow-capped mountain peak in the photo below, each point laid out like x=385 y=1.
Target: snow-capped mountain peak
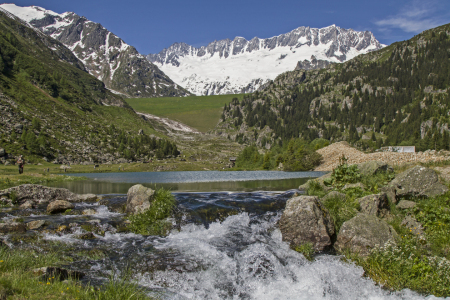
x=105 y=55
x=241 y=65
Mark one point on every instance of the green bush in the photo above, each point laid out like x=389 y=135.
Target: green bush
x=153 y=220
x=315 y=189
x=343 y=174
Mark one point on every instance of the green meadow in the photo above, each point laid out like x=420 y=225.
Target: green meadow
x=199 y=112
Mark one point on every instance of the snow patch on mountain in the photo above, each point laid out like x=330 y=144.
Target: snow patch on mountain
x=242 y=66
x=105 y=55
x=28 y=13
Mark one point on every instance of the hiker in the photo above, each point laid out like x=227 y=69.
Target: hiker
x=20 y=162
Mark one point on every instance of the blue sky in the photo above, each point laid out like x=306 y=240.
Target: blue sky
x=151 y=26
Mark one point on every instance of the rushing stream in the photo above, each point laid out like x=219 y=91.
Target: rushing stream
x=224 y=245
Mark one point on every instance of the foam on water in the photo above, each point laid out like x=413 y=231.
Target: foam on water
x=245 y=258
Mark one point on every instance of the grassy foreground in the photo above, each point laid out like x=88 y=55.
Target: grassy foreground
x=17 y=280
x=199 y=112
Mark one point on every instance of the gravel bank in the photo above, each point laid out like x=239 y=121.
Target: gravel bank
x=333 y=152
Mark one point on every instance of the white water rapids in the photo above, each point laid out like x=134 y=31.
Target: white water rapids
x=242 y=257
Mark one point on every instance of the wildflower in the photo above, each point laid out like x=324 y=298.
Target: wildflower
x=1 y=261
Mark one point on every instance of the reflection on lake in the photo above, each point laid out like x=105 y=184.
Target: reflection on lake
x=192 y=181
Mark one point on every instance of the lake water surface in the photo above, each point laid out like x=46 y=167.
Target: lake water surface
x=190 y=181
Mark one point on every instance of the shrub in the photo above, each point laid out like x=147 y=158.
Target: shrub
x=343 y=174
x=153 y=220
x=315 y=189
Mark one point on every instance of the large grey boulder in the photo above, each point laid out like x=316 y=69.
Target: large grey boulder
x=305 y=220
x=376 y=204
x=59 y=206
x=2 y=152
x=39 y=193
x=364 y=232
x=418 y=182
x=139 y=199
x=374 y=167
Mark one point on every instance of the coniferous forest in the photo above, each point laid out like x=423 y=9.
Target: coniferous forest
x=394 y=96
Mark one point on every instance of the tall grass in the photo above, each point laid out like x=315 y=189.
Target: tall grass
x=17 y=280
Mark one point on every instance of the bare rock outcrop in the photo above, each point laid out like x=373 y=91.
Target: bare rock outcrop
x=333 y=152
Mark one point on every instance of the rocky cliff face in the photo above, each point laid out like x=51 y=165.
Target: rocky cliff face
x=105 y=55
x=239 y=65
x=312 y=64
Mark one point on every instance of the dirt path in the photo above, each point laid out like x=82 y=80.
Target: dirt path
x=333 y=152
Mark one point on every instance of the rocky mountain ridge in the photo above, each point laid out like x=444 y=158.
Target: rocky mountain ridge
x=238 y=65
x=106 y=56
x=398 y=95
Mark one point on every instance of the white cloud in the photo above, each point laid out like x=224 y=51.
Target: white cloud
x=416 y=17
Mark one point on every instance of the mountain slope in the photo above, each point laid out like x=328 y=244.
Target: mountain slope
x=398 y=95
x=51 y=107
x=106 y=56
x=241 y=66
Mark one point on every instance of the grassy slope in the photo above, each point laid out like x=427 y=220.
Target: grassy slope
x=52 y=87
x=199 y=112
